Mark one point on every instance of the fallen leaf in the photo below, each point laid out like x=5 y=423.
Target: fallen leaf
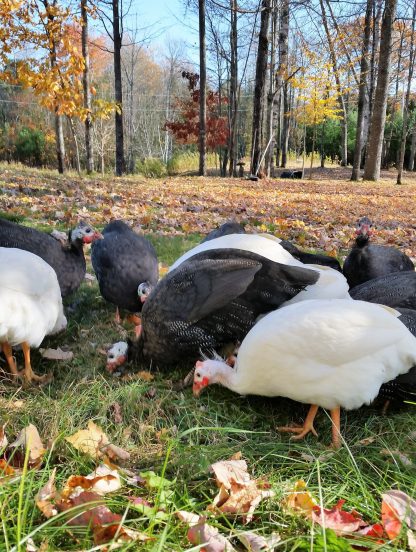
x=56 y=354
x=3 y=439
x=103 y=480
x=188 y=517
x=397 y=507
x=228 y=472
x=404 y=459
x=116 y=411
x=89 y=277
x=30 y=545
x=366 y=441
x=29 y=438
x=90 y=441
x=117 y=534
x=45 y=496
x=5 y=468
x=255 y=543
x=209 y=536
x=337 y=519
x=115 y=453
x=411 y=540
x=300 y=500
x=375 y=530
x=154 y=481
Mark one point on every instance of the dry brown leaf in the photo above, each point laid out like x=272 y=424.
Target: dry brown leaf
x=102 y=480
x=299 y=500
x=115 y=453
x=31 y=546
x=45 y=496
x=231 y=471
x=203 y=533
x=3 y=439
x=366 y=441
x=90 y=441
x=5 y=468
x=411 y=540
x=56 y=354
x=29 y=438
x=116 y=412
x=255 y=543
x=188 y=517
x=404 y=459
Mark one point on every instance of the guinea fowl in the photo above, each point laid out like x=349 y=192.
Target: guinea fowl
x=367 y=261
x=68 y=261
x=331 y=284
x=325 y=353
x=306 y=258
x=211 y=300
x=397 y=289
x=31 y=306
x=402 y=388
x=122 y=261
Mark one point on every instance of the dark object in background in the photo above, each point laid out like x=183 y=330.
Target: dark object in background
x=225 y=229
x=397 y=289
x=292 y=174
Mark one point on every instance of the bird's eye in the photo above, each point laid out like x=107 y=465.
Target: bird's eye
x=88 y=230
x=111 y=357
x=198 y=374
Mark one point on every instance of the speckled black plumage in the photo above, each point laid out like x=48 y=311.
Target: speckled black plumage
x=402 y=388
x=213 y=299
x=68 y=261
x=122 y=261
x=367 y=261
x=397 y=289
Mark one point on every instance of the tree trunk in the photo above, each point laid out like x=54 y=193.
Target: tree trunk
x=233 y=89
x=378 y=119
x=341 y=101
x=118 y=88
x=60 y=143
x=86 y=87
x=410 y=165
x=363 y=92
x=286 y=124
x=259 y=89
x=283 y=67
x=407 y=99
x=271 y=95
x=74 y=137
x=202 y=90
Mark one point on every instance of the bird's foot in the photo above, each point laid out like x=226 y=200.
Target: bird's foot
x=117 y=318
x=302 y=431
x=30 y=378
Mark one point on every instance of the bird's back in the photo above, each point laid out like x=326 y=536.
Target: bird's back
x=330 y=353
x=30 y=298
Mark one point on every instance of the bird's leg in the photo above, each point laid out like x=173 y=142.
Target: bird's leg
x=8 y=353
x=117 y=318
x=28 y=373
x=138 y=330
x=336 y=427
x=307 y=426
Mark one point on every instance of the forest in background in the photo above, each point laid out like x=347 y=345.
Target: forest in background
x=82 y=86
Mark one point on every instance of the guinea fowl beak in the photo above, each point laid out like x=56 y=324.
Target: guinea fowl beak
x=119 y=361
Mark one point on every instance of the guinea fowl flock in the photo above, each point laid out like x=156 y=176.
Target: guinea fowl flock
x=300 y=326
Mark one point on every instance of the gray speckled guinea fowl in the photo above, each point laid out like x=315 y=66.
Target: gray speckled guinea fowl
x=213 y=299
x=122 y=261
x=367 y=261
x=68 y=261
x=397 y=289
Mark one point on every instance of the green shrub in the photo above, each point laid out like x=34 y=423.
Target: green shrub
x=151 y=167
x=30 y=146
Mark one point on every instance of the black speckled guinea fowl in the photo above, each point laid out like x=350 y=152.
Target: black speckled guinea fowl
x=397 y=289
x=402 y=388
x=122 y=261
x=367 y=261
x=211 y=300
x=68 y=261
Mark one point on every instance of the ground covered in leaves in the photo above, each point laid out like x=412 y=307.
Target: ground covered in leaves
x=92 y=462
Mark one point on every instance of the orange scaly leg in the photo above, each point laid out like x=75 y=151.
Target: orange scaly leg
x=307 y=426
x=336 y=427
x=28 y=374
x=8 y=353
x=117 y=318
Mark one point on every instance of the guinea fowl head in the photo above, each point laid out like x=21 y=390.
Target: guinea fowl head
x=144 y=290
x=208 y=372
x=364 y=226
x=84 y=233
x=117 y=356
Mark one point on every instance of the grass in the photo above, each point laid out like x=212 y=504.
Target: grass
x=177 y=436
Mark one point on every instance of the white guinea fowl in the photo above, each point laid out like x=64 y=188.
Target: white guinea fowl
x=331 y=284
x=31 y=305
x=321 y=352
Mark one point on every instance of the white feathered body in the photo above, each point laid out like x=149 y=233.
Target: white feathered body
x=331 y=284
x=30 y=298
x=327 y=352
